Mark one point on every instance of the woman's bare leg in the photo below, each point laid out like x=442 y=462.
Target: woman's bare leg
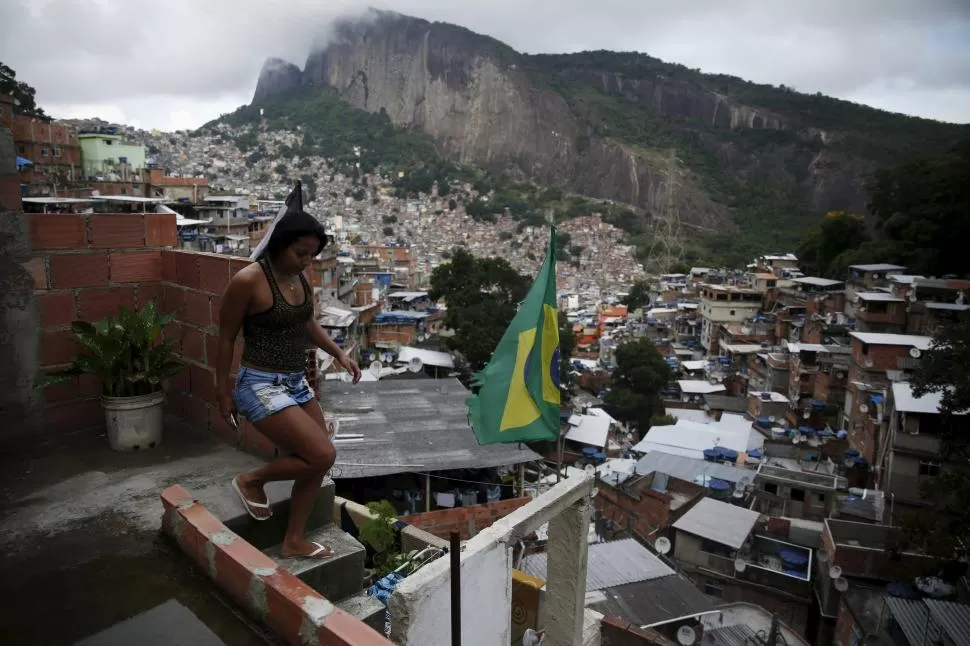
x=301 y=433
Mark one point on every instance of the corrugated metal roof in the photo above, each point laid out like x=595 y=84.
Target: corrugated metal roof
x=690 y=469
x=737 y=635
x=913 y=618
x=410 y=425
x=718 y=521
x=954 y=618
x=609 y=565
x=906 y=402
x=654 y=602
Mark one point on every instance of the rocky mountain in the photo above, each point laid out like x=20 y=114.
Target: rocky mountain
x=718 y=154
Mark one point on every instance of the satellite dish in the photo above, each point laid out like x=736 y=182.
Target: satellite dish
x=841 y=584
x=415 y=365
x=795 y=439
x=375 y=368
x=740 y=565
x=772 y=418
x=822 y=556
x=685 y=399
x=835 y=572
x=662 y=545
x=806 y=415
x=590 y=469
x=686 y=636
x=713 y=380
x=863 y=408
x=594 y=493
x=915 y=353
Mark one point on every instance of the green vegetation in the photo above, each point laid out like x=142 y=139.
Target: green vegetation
x=640 y=374
x=943 y=526
x=482 y=295
x=638 y=297
x=23 y=94
x=759 y=175
x=920 y=219
x=332 y=129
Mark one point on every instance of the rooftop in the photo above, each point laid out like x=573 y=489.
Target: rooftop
x=816 y=282
x=410 y=425
x=690 y=439
x=592 y=429
x=878 y=267
x=884 y=297
x=699 y=387
x=880 y=338
x=653 y=603
x=692 y=469
x=718 y=521
x=609 y=564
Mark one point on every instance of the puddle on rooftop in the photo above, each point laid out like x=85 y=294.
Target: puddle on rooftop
x=136 y=589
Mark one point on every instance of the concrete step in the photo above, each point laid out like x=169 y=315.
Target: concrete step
x=226 y=506
x=337 y=577
x=366 y=608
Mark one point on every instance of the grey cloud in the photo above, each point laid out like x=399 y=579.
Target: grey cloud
x=122 y=53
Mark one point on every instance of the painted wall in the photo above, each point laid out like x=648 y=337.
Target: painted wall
x=97 y=154
x=486 y=593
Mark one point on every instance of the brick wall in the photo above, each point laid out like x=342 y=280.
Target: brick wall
x=444 y=521
x=642 y=510
x=84 y=266
x=192 y=288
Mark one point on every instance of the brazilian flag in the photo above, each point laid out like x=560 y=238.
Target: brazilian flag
x=518 y=397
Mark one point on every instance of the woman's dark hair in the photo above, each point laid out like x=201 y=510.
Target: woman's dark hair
x=290 y=228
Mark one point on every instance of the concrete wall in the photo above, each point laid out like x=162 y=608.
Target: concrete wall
x=19 y=335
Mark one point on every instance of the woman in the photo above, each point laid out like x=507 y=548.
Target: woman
x=272 y=302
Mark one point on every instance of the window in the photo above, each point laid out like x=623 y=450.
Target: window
x=44 y=152
x=772 y=488
x=797 y=495
x=57 y=151
x=929 y=468
x=712 y=590
x=732 y=312
x=21 y=150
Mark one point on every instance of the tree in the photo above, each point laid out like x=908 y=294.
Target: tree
x=482 y=295
x=23 y=94
x=943 y=527
x=638 y=297
x=829 y=251
x=922 y=212
x=641 y=373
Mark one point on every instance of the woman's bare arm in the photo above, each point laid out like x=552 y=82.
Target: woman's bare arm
x=235 y=302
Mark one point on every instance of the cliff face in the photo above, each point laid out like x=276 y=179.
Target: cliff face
x=277 y=77
x=623 y=127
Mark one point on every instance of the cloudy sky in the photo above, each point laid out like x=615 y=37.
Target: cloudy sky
x=178 y=63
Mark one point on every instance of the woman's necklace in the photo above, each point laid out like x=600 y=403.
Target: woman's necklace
x=291 y=284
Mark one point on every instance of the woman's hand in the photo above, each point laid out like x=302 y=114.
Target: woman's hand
x=350 y=366
x=227 y=408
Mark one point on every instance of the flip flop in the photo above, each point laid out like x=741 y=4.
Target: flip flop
x=250 y=505
x=316 y=554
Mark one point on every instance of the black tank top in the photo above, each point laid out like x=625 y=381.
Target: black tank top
x=276 y=339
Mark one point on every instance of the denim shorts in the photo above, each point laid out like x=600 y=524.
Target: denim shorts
x=259 y=394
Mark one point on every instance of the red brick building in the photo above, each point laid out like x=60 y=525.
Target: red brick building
x=51 y=148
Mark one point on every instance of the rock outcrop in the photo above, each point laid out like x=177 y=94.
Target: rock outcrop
x=485 y=104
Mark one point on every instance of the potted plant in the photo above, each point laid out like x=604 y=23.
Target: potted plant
x=130 y=361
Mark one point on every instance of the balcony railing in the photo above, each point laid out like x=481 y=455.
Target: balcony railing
x=420 y=603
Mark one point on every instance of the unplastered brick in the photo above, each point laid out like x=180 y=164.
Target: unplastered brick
x=117 y=231
x=57 y=231
x=293 y=610
x=69 y=271
x=136 y=267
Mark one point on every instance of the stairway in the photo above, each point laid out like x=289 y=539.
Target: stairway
x=338 y=578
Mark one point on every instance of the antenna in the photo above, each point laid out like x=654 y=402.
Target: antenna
x=806 y=415
x=590 y=469
x=841 y=584
x=662 y=545
x=415 y=365
x=740 y=565
x=915 y=353
x=863 y=409
x=772 y=418
x=835 y=572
